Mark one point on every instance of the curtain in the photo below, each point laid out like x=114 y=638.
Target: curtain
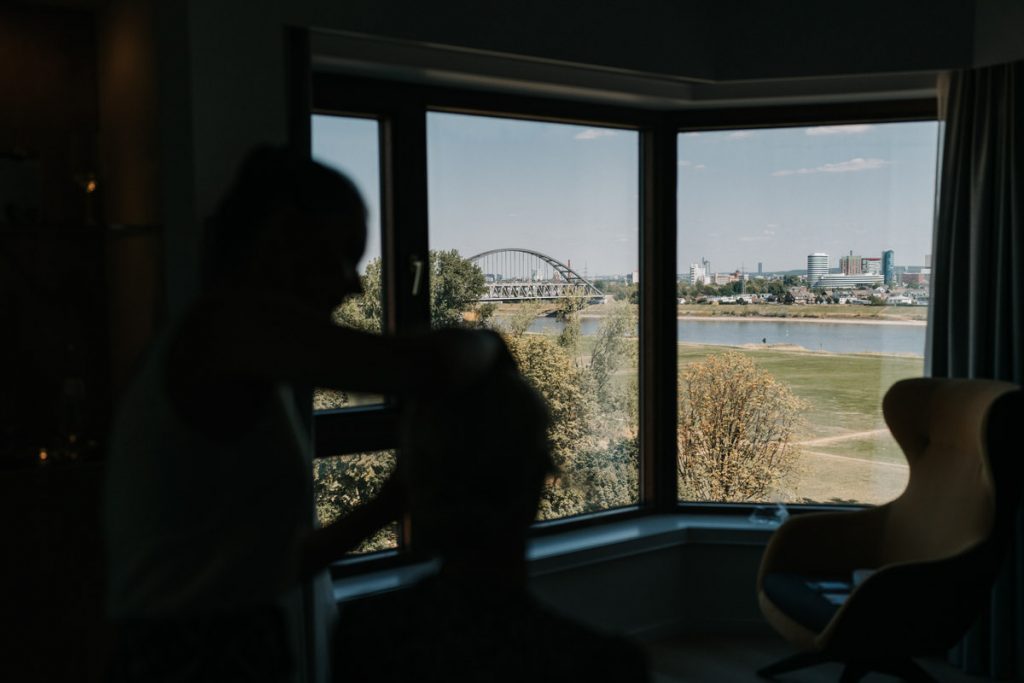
x=977 y=316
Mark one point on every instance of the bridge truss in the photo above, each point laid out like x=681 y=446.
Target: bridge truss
x=525 y=275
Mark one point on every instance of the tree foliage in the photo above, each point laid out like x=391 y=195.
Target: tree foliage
x=456 y=285
x=736 y=424
x=593 y=405
x=343 y=483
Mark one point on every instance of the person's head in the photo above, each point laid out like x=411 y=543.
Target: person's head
x=475 y=463
x=289 y=224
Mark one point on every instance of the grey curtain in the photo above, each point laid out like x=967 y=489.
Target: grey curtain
x=977 y=317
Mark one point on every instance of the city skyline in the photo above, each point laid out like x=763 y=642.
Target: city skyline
x=768 y=196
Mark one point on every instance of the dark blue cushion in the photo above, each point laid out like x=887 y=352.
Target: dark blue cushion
x=803 y=598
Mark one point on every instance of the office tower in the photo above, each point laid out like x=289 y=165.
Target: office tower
x=889 y=266
x=850 y=265
x=817 y=267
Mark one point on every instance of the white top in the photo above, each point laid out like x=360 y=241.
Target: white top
x=197 y=524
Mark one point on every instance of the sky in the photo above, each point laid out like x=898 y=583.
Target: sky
x=745 y=196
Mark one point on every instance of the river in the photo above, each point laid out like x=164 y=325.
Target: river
x=834 y=337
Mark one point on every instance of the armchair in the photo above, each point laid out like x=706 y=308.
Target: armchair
x=929 y=557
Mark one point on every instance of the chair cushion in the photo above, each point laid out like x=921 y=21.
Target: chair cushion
x=809 y=601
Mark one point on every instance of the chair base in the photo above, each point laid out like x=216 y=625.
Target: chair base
x=853 y=671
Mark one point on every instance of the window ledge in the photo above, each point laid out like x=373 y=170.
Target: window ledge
x=559 y=552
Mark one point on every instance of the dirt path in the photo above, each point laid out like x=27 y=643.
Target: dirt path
x=842 y=437
x=863 y=461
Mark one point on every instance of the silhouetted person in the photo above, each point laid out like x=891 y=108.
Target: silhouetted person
x=476 y=465
x=208 y=502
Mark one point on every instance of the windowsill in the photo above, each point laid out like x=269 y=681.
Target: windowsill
x=560 y=552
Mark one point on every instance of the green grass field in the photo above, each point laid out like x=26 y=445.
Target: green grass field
x=847 y=454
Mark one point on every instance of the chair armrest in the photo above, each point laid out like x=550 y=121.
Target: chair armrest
x=824 y=543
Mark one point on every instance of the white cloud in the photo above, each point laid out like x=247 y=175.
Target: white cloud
x=699 y=167
x=740 y=135
x=685 y=162
x=765 y=236
x=594 y=133
x=850 y=129
x=848 y=166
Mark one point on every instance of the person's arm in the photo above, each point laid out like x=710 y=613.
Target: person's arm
x=269 y=339
x=320 y=547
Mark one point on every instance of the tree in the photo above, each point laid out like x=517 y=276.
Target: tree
x=343 y=483
x=736 y=422
x=568 y=312
x=516 y=324
x=552 y=372
x=456 y=285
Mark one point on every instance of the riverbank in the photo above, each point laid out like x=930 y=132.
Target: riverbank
x=813 y=312
x=800 y=319
x=899 y=315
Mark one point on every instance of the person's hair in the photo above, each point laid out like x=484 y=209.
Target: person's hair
x=475 y=462
x=269 y=180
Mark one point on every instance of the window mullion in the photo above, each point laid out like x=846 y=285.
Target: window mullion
x=404 y=208
x=658 y=361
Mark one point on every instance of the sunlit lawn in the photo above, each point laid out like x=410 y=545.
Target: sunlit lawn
x=843 y=391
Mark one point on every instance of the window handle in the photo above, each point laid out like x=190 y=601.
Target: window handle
x=417 y=274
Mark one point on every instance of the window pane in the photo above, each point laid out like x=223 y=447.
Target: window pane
x=803 y=283
x=351 y=146
x=342 y=483
x=534 y=232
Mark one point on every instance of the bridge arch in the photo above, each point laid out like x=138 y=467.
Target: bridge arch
x=515 y=274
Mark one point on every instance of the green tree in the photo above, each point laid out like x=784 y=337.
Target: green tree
x=456 y=285
x=516 y=324
x=568 y=312
x=343 y=483
x=554 y=374
x=736 y=424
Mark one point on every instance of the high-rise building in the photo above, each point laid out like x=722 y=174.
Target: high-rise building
x=889 y=266
x=697 y=274
x=817 y=267
x=760 y=268
x=850 y=265
x=871 y=265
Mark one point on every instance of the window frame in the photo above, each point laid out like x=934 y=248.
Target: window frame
x=401 y=109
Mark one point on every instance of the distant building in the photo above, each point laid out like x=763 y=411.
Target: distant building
x=760 y=268
x=697 y=274
x=872 y=265
x=915 y=279
x=817 y=266
x=889 y=266
x=850 y=265
x=634 y=277
x=722 y=278
x=843 y=281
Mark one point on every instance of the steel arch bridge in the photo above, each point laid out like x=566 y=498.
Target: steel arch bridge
x=523 y=275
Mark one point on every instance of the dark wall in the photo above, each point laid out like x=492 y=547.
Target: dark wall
x=702 y=39
x=641 y=35
x=48 y=111
x=812 y=38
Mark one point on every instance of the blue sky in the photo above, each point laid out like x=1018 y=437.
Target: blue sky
x=772 y=196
